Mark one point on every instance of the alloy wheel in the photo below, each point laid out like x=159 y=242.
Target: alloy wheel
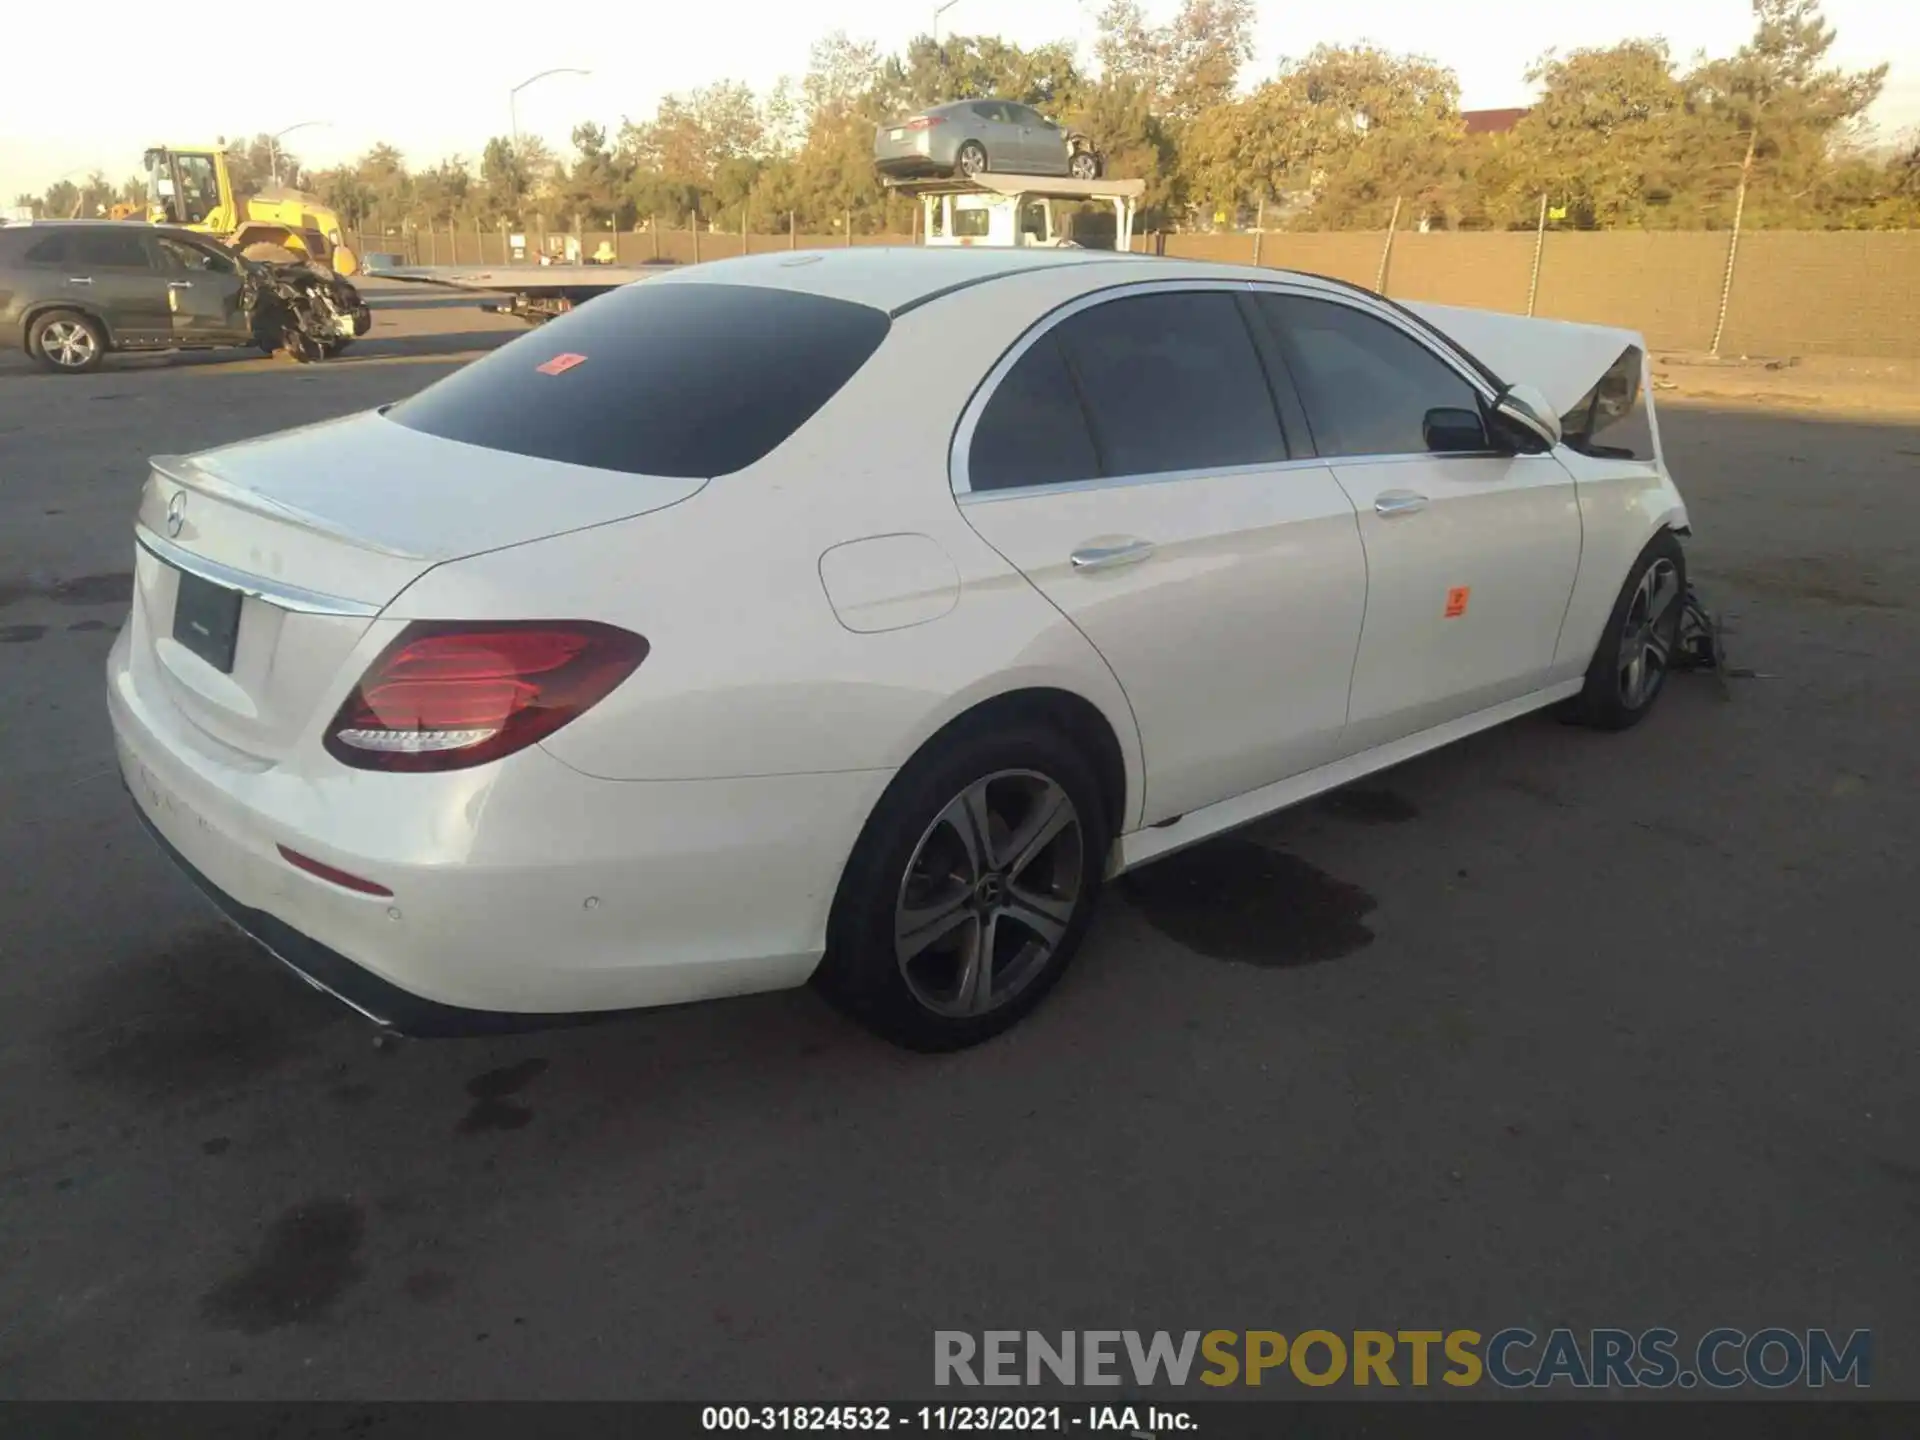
x=68 y=343
x=989 y=893
x=1648 y=634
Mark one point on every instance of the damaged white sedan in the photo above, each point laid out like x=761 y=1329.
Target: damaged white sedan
x=856 y=615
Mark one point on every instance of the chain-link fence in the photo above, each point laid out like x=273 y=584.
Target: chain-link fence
x=1788 y=293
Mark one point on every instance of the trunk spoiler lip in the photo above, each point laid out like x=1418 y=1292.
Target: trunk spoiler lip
x=272 y=592
x=195 y=475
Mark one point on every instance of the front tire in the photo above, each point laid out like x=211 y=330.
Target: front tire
x=1630 y=668
x=972 y=159
x=67 y=342
x=969 y=890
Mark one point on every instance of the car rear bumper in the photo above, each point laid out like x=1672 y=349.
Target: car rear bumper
x=907 y=167
x=329 y=971
x=523 y=894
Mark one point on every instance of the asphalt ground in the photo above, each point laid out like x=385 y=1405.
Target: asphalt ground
x=1548 y=1028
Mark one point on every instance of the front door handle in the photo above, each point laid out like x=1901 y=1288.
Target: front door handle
x=79 y=279
x=1106 y=557
x=179 y=285
x=1398 y=502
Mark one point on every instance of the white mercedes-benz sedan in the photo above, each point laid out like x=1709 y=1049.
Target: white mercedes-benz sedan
x=855 y=615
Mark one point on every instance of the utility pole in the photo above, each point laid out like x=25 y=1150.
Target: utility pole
x=1733 y=243
x=273 y=144
x=513 y=98
x=938 y=11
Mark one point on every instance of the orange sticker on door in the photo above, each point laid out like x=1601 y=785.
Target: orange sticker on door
x=1457 y=601
x=561 y=363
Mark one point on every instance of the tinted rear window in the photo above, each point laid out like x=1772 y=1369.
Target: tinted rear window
x=123 y=249
x=682 y=379
x=47 y=250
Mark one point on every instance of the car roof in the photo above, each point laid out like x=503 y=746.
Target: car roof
x=96 y=222
x=897 y=278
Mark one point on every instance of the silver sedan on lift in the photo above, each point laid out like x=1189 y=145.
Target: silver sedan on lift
x=972 y=137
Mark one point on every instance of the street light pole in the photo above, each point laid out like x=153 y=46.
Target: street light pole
x=938 y=11
x=513 y=97
x=273 y=144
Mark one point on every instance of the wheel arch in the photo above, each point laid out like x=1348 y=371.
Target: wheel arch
x=1072 y=715
x=42 y=307
x=1065 y=711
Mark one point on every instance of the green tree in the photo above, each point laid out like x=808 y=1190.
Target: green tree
x=1336 y=137
x=251 y=164
x=962 y=66
x=1127 y=49
x=1607 y=140
x=597 y=183
x=1202 y=52
x=444 y=192
x=1773 y=113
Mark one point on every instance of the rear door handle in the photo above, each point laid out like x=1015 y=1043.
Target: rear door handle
x=79 y=279
x=179 y=285
x=1106 y=557
x=1398 y=502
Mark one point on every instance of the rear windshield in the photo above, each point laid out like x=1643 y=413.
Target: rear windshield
x=682 y=379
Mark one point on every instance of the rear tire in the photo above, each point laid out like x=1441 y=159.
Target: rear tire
x=972 y=159
x=1630 y=668
x=67 y=342
x=1084 y=165
x=938 y=941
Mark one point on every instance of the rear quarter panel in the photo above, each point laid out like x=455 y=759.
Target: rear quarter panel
x=750 y=671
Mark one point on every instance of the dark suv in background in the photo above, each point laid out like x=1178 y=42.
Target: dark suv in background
x=71 y=290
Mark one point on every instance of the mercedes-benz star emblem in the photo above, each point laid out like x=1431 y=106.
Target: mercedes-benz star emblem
x=176 y=514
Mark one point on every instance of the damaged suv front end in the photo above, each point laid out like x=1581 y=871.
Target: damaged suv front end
x=306 y=311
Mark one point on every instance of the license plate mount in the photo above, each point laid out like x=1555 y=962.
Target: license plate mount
x=206 y=620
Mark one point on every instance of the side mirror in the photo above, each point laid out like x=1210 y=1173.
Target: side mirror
x=1450 y=431
x=1529 y=409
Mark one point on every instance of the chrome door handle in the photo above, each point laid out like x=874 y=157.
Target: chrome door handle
x=79 y=279
x=1105 y=557
x=1399 y=502
x=179 y=285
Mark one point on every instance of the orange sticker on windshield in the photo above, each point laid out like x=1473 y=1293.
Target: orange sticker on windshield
x=1457 y=601
x=560 y=364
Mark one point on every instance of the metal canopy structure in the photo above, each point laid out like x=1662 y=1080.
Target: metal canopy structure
x=1038 y=187
x=937 y=198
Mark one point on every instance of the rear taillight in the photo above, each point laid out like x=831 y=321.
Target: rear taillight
x=446 y=695
x=925 y=122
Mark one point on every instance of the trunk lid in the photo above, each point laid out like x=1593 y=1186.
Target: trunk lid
x=300 y=539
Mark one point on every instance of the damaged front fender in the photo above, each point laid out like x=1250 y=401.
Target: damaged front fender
x=303 y=310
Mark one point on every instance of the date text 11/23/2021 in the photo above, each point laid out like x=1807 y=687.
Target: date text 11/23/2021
x=1143 y=1421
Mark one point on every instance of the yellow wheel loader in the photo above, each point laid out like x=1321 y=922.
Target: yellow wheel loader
x=193 y=188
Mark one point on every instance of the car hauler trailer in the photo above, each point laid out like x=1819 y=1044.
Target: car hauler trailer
x=988 y=210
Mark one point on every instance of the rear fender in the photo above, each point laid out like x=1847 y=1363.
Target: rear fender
x=84 y=307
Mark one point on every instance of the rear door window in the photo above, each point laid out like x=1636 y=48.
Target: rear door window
x=1171 y=382
x=48 y=250
x=121 y=249
x=661 y=377
x=1033 y=431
